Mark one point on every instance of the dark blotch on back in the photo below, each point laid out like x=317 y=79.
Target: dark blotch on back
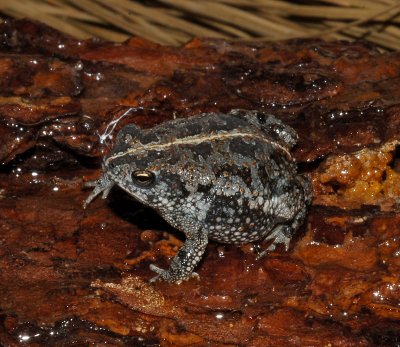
x=149 y=137
x=204 y=149
x=245 y=147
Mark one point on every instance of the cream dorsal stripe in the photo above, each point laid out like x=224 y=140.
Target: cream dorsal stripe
x=194 y=140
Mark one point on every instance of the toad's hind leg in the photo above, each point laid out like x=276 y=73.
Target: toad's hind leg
x=282 y=233
x=186 y=259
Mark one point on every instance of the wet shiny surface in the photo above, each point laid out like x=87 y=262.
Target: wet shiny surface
x=71 y=276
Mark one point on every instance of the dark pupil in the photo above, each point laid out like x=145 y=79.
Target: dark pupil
x=143 y=178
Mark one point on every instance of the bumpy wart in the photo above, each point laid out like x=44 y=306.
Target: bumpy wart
x=226 y=177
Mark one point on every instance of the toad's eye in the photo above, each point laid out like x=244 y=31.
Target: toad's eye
x=143 y=178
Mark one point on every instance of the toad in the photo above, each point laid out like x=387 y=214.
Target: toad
x=227 y=177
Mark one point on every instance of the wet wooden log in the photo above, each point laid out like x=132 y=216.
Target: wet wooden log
x=73 y=276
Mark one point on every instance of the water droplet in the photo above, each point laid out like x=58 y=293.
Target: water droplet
x=79 y=66
x=219 y=315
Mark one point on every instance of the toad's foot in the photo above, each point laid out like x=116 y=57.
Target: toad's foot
x=186 y=259
x=169 y=276
x=102 y=185
x=280 y=234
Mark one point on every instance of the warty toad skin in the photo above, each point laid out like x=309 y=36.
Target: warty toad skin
x=225 y=177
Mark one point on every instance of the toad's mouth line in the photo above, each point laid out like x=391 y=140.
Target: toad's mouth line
x=194 y=140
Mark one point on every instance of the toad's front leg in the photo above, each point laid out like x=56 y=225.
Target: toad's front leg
x=186 y=259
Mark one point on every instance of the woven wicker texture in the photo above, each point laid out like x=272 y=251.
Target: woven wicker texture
x=174 y=22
